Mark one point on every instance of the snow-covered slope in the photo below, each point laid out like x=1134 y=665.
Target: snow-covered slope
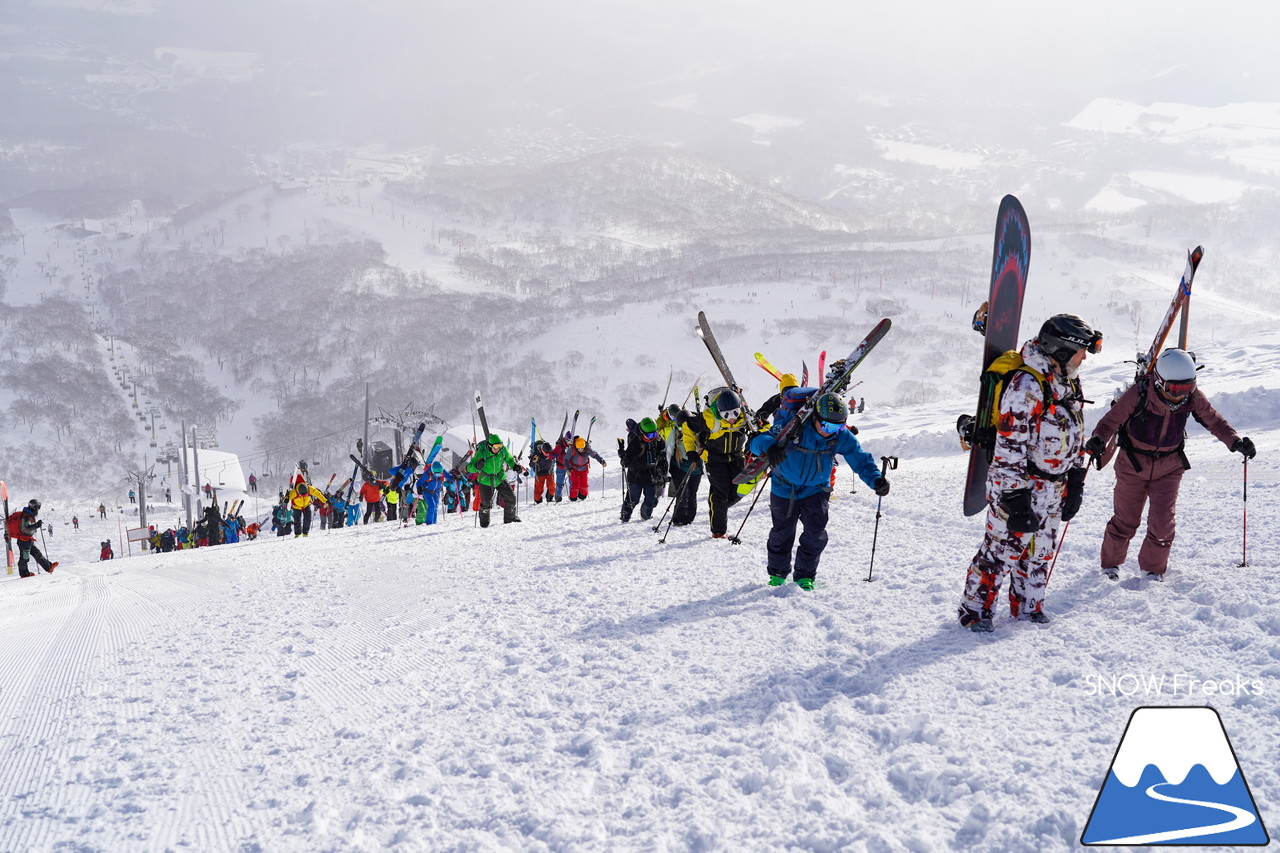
x=566 y=683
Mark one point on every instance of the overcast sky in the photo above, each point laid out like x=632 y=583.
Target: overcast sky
x=440 y=66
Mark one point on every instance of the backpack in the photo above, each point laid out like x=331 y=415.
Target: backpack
x=995 y=379
x=792 y=401
x=1140 y=415
x=13 y=524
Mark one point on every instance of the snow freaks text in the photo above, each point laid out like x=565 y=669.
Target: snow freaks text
x=1178 y=684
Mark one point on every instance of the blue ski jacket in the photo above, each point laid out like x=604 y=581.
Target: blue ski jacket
x=433 y=484
x=806 y=469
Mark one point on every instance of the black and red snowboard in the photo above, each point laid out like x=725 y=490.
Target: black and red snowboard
x=999 y=324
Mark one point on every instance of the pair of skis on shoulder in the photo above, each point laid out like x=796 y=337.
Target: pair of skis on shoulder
x=835 y=382
x=999 y=318
x=777 y=374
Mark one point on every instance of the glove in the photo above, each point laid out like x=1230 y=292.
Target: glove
x=1095 y=446
x=776 y=454
x=604 y=464
x=1245 y=446
x=881 y=486
x=1074 y=494
x=39 y=523
x=1020 y=517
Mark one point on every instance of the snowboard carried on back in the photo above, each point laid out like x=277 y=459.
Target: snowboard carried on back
x=998 y=320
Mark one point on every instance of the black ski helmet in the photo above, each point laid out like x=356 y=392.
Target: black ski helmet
x=727 y=402
x=832 y=409
x=831 y=414
x=1063 y=335
x=33 y=505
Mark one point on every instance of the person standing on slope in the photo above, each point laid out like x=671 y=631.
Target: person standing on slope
x=371 y=492
x=22 y=526
x=1150 y=420
x=1036 y=478
x=645 y=458
x=686 y=472
x=543 y=465
x=801 y=490
x=213 y=524
x=303 y=495
x=434 y=482
x=560 y=454
x=490 y=463
x=718 y=437
x=578 y=461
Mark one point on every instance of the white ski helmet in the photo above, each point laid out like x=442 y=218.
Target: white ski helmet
x=1174 y=375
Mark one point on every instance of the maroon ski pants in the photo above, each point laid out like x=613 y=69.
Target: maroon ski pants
x=1156 y=486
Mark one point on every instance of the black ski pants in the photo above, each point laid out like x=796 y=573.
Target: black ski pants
x=812 y=513
x=685 y=485
x=372 y=509
x=635 y=491
x=723 y=493
x=302 y=521
x=26 y=550
x=508 y=498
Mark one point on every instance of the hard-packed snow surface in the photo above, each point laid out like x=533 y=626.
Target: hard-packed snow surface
x=567 y=683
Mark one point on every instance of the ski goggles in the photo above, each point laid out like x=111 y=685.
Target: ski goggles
x=1092 y=343
x=730 y=414
x=650 y=436
x=1176 y=392
x=826 y=429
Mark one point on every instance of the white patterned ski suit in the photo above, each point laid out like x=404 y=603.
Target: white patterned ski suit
x=1037 y=443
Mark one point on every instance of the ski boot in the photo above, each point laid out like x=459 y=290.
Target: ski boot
x=776 y=580
x=975 y=622
x=805 y=583
x=1111 y=573
x=1038 y=618
x=1154 y=576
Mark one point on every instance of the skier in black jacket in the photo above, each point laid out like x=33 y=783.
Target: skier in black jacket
x=645 y=458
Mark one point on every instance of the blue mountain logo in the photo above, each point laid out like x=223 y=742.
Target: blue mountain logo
x=1175 y=780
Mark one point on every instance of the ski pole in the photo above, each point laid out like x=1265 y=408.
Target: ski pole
x=670 y=504
x=1066 y=525
x=44 y=546
x=1244 y=558
x=684 y=485
x=887 y=463
x=736 y=538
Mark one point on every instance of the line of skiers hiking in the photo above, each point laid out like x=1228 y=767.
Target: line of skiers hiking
x=477 y=482
x=214 y=527
x=1035 y=481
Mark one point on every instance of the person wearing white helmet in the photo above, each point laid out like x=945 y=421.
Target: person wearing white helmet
x=1149 y=423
